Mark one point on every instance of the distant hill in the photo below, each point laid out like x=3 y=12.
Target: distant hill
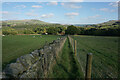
x=28 y=24
x=111 y=22
x=23 y=22
x=81 y=25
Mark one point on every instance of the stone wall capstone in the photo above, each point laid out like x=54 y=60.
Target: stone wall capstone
x=36 y=64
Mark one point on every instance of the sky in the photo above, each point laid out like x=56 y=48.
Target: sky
x=59 y=0
x=61 y=12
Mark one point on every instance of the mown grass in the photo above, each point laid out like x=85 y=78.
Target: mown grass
x=18 y=45
x=66 y=64
x=0 y=31
x=0 y=53
x=105 y=54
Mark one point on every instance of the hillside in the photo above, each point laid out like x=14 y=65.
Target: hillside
x=110 y=22
x=23 y=22
x=107 y=23
x=27 y=23
x=30 y=27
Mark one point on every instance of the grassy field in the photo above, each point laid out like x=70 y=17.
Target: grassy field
x=0 y=53
x=66 y=64
x=0 y=31
x=104 y=49
x=18 y=45
x=105 y=54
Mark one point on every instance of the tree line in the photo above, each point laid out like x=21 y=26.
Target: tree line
x=105 y=30
x=72 y=30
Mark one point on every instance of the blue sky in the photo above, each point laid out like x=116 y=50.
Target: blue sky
x=59 y=0
x=61 y=12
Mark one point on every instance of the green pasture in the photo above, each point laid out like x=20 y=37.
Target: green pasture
x=105 y=54
x=66 y=64
x=0 y=53
x=14 y=46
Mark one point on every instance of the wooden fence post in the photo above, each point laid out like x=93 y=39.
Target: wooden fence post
x=88 y=66
x=75 y=49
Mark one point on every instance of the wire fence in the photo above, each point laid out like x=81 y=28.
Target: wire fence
x=72 y=42
x=101 y=63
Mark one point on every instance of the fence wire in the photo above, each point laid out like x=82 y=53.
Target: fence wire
x=101 y=68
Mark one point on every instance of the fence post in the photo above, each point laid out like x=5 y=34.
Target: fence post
x=88 y=66
x=75 y=49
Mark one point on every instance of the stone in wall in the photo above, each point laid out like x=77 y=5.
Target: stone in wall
x=36 y=64
x=14 y=69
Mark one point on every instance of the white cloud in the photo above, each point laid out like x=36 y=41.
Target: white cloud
x=20 y=6
x=107 y=10
x=9 y=15
x=114 y=4
x=3 y=12
x=71 y=15
x=75 y=6
x=96 y=16
x=31 y=14
x=104 y=9
x=23 y=6
x=6 y=13
x=93 y=18
x=7 y=3
x=37 y=6
x=39 y=2
x=47 y=15
x=76 y=0
x=71 y=5
x=52 y=3
x=112 y=10
x=62 y=4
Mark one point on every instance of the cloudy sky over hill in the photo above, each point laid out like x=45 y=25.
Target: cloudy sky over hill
x=61 y=12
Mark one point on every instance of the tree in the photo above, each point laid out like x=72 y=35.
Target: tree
x=72 y=30
x=52 y=30
x=81 y=30
x=39 y=30
x=44 y=31
x=28 y=31
x=9 y=31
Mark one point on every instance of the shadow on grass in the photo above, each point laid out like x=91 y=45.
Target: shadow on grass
x=66 y=65
x=6 y=63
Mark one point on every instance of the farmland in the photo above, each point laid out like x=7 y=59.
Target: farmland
x=0 y=31
x=0 y=49
x=66 y=64
x=104 y=63
x=75 y=39
x=0 y=52
x=105 y=54
x=14 y=46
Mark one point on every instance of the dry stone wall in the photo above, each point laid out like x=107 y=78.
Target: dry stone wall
x=36 y=64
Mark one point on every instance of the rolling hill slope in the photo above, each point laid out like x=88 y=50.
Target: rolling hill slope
x=110 y=22
x=23 y=22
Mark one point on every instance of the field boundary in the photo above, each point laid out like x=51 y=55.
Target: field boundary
x=36 y=64
x=28 y=34
x=72 y=44
x=104 y=55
